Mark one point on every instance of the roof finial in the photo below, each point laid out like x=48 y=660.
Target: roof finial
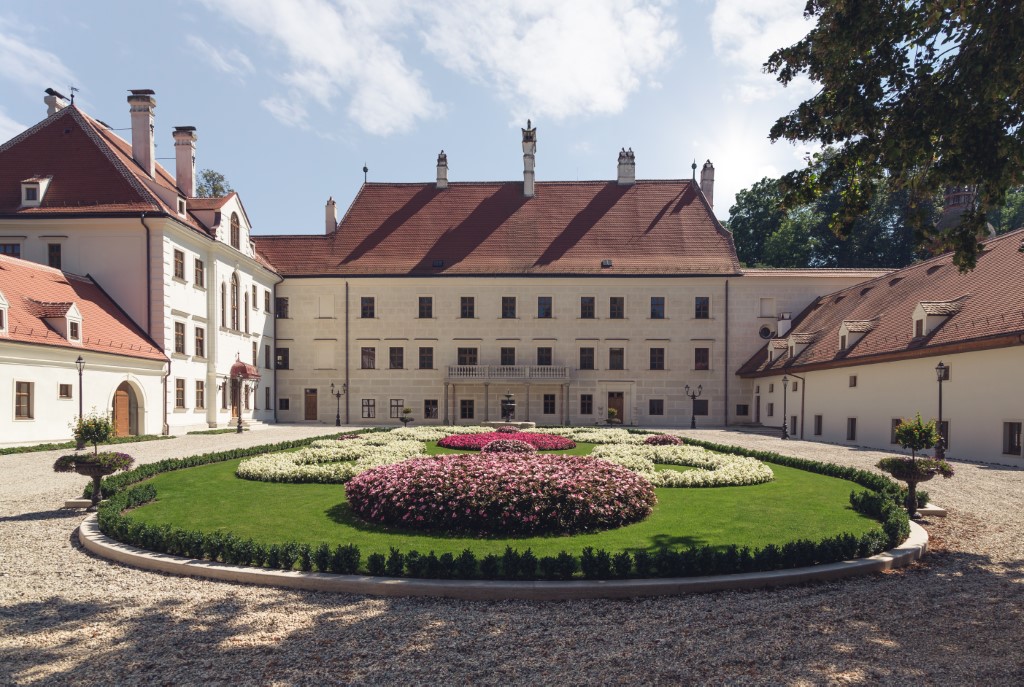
x=694 y=168
x=365 y=170
x=73 y=91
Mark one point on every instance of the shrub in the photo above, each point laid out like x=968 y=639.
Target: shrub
x=502 y=494
x=395 y=563
x=662 y=440
x=376 y=565
x=465 y=565
x=322 y=558
x=475 y=442
x=305 y=557
x=94 y=428
x=507 y=446
x=490 y=566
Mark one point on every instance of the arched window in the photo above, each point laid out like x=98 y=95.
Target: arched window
x=223 y=305
x=246 y=311
x=234 y=302
x=235 y=231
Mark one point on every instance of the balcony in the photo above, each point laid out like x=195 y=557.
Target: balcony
x=502 y=373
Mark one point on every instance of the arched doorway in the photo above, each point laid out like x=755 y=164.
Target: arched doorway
x=125 y=413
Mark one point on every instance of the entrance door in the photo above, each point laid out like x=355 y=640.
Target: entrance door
x=757 y=409
x=122 y=425
x=617 y=402
x=311 y=413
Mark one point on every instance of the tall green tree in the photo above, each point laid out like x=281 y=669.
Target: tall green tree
x=926 y=93
x=212 y=184
x=756 y=215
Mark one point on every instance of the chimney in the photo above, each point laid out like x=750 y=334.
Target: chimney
x=707 y=183
x=627 y=168
x=142 y=103
x=442 y=170
x=331 y=216
x=55 y=102
x=185 y=159
x=529 y=153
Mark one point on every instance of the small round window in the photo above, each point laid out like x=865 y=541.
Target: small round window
x=765 y=332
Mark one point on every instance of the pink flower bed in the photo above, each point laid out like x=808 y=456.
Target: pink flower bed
x=475 y=442
x=507 y=493
x=662 y=440
x=507 y=446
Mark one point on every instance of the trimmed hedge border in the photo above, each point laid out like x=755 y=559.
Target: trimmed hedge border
x=598 y=564
x=11 y=450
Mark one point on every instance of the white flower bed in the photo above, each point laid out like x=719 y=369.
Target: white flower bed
x=714 y=469
x=595 y=435
x=329 y=461
x=436 y=433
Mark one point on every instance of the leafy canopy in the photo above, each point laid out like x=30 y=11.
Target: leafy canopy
x=925 y=93
x=212 y=184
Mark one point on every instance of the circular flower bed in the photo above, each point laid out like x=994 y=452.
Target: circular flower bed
x=475 y=442
x=504 y=494
x=662 y=440
x=507 y=446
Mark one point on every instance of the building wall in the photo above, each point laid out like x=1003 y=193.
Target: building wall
x=315 y=336
x=48 y=367
x=983 y=393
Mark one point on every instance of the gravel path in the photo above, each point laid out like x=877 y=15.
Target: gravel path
x=69 y=618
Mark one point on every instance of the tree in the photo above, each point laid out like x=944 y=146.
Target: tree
x=755 y=216
x=917 y=435
x=924 y=93
x=212 y=184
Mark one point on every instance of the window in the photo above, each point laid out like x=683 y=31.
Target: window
x=73 y=331
x=817 y=425
x=234 y=301
x=587 y=307
x=200 y=272
x=549 y=404
x=467 y=307
x=508 y=356
x=700 y=406
x=467 y=356
x=617 y=307
x=266 y=300
x=616 y=359
x=396 y=358
x=53 y=255
x=255 y=297
x=702 y=358
x=1012 y=438
x=853 y=380
x=796 y=386
x=657 y=358
x=892 y=430
x=64 y=391
x=466 y=409
x=508 y=307
x=792 y=425
x=23 y=405
x=918 y=328
x=31 y=193
x=851 y=429
x=179 y=264
x=179 y=337
x=702 y=307
x=656 y=406
x=368 y=358
x=281 y=361
x=236 y=232
x=426 y=358
x=284 y=404
x=397 y=404
x=367 y=307
x=586 y=358
x=771 y=388
x=369 y=408
x=657 y=307
x=10 y=249
x=281 y=306
x=742 y=409
x=544 y=307
x=246 y=311
x=586 y=404
x=3 y=319
x=267 y=403
x=842 y=342
x=255 y=354
x=179 y=393
x=201 y=395
x=426 y=307
x=430 y=409
x=544 y=355
x=266 y=358
x=770 y=410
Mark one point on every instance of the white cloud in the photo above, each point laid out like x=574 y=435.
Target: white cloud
x=340 y=47
x=8 y=127
x=232 y=62
x=554 y=60
x=28 y=65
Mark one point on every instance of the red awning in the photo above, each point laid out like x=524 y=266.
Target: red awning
x=241 y=370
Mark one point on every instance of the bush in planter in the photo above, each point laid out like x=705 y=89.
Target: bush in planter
x=94 y=428
x=915 y=435
x=95 y=465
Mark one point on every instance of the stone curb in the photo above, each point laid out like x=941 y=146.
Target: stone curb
x=95 y=541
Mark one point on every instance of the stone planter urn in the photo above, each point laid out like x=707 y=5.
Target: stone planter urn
x=96 y=466
x=913 y=472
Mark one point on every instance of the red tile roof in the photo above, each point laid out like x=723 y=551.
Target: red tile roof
x=210 y=203
x=651 y=227
x=35 y=292
x=984 y=307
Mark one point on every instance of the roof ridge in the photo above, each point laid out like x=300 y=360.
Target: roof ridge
x=100 y=140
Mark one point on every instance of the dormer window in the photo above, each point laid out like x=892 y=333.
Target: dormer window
x=842 y=342
x=31 y=193
x=918 y=328
x=3 y=314
x=33 y=190
x=235 y=231
x=181 y=206
x=74 y=331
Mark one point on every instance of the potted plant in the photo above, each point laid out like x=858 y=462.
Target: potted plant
x=406 y=417
x=613 y=416
x=95 y=429
x=915 y=435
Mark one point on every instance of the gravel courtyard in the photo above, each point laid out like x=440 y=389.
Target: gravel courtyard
x=69 y=618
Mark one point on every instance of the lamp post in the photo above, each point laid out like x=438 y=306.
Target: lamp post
x=940 y=448
x=337 y=396
x=693 y=403
x=785 y=410
x=80 y=364
x=508 y=407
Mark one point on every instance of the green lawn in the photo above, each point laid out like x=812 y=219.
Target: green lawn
x=796 y=505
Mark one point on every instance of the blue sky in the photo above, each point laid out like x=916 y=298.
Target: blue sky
x=291 y=97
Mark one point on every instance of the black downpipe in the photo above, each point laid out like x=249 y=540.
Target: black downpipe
x=726 y=352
